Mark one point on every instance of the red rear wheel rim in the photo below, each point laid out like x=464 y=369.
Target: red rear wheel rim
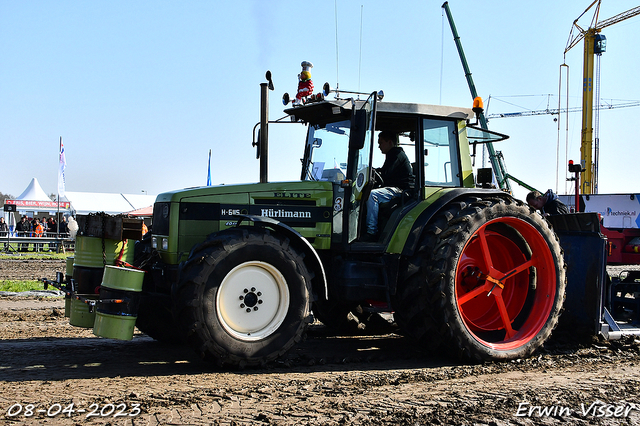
x=493 y=293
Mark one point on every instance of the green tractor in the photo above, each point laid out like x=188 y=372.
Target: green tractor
x=240 y=271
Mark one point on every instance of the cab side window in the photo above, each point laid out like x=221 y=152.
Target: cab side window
x=441 y=165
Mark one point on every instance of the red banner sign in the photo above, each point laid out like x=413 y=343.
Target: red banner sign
x=39 y=204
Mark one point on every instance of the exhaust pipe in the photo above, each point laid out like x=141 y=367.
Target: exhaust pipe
x=263 y=138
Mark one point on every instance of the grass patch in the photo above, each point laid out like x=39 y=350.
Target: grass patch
x=35 y=255
x=20 y=286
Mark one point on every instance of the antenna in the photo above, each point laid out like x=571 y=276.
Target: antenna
x=337 y=67
x=442 y=61
x=360 y=60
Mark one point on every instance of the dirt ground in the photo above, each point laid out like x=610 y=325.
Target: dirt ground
x=56 y=374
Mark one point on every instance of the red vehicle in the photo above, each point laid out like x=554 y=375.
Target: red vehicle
x=620 y=223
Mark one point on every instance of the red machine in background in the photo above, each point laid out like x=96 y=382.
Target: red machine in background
x=619 y=215
x=620 y=218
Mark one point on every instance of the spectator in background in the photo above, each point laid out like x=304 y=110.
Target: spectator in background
x=38 y=231
x=4 y=228
x=52 y=231
x=52 y=227
x=34 y=223
x=23 y=228
x=63 y=226
x=4 y=231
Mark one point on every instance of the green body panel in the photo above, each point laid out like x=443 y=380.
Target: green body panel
x=275 y=200
x=465 y=157
x=399 y=237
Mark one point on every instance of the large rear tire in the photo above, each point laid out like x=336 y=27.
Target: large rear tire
x=488 y=281
x=244 y=297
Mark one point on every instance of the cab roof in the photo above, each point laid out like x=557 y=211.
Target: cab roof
x=330 y=110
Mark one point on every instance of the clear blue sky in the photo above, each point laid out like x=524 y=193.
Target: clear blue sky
x=140 y=91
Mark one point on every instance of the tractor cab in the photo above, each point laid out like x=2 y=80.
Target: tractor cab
x=341 y=148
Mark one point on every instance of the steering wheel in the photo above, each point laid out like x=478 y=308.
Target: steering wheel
x=376 y=179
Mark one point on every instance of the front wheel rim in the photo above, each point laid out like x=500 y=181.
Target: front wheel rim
x=498 y=303
x=252 y=301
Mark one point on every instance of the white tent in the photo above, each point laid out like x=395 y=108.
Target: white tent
x=110 y=203
x=34 y=199
x=34 y=192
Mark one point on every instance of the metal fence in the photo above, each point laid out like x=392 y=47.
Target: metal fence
x=10 y=244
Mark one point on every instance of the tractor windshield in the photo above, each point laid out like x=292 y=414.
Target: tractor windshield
x=326 y=152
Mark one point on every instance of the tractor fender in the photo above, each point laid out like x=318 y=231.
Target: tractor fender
x=294 y=235
x=427 y=215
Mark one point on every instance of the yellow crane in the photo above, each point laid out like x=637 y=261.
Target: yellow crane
x=594 y=44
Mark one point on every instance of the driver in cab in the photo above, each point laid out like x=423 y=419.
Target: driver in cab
x=397 y=176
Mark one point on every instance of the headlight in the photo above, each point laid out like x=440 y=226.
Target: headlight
x=154 y=243
x=165 y=244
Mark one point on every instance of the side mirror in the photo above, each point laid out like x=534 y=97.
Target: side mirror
x=257 y=145
x=268 y=77
x=358 y=129
x=484 y=178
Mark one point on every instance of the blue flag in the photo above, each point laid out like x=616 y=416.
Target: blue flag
x=209 y=170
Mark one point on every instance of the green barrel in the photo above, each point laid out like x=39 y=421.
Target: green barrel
x=67 y=280
x=88 y=251
x=67 y=306
x=89 y=263
x=118 y=327
x=117 y=310
x=69 y=267
x=80 y=315
x=127 y=279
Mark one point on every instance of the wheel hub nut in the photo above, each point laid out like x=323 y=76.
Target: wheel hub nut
x=250 y=299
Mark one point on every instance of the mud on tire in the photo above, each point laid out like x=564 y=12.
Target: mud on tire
x=487 y=282
x=244 y=297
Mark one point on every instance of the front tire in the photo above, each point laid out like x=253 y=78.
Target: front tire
x=244 y=297
x=489 y=281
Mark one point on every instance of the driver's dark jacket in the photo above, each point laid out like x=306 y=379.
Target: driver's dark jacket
x=554 y=206
x=397 y=171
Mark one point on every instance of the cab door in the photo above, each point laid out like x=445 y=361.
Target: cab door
x=359 y=170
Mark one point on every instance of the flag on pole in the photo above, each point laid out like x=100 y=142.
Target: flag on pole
x=209 y=170
x=61 y=167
